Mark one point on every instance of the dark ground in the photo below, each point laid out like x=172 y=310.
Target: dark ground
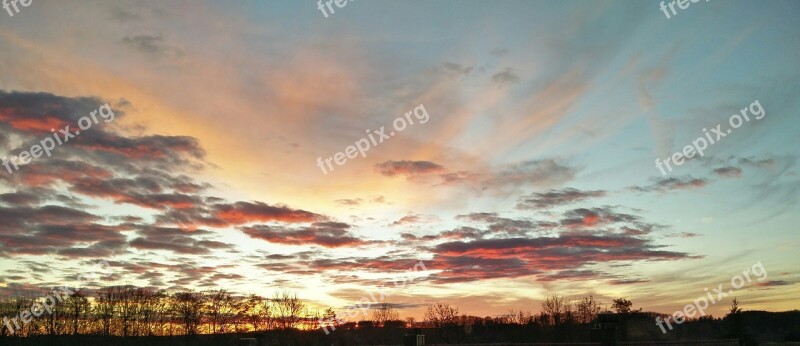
x=756 y=328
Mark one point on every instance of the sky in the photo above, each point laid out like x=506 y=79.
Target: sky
x=527 y=166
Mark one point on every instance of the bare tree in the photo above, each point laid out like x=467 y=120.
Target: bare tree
x=159 y=305
x=518 y=317
x=188 y=307
x=330 y=319
x=220 y=308
x=238 y=311
x=735 y=323
x=441 y=314
x=410 y=322
x=587 y=309
x=384 y=312
x=126 y=297
x=735 y=309
x=287 y=308
x=253 y=314
x=77 y=307
x=151 y=306
x=104 y=308
x=554 y=309
x=54 y=322
x=623 y=306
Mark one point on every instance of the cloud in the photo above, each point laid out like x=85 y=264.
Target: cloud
x=218 y=215
x=466 y=178
x=52 y=171
x=454 y=68
x=158 y=148
x=247 y=212
x=774 y=283
x=326 y=234
x=545 y=257
x=414 y=219
x=151 y=172
x=14 y=218
x=136 y=192
x=31 y=116
x=627 y=281
x=536 y=173
x=408 y=219
x=459 y=233
x=148 y=44
x=728 y=172
x=499 y=226
x=387 y=264
x=408 y=168
x=123 y=15
x=687 y=235
x=546 y=172
x=504 y=247
x=595 y=217
x=349 y=202
x=672 y=183
x=763 y=163
x=506 y=77
x=499 y=52
x=20 y=199
x=176 y=240
x=99 y=167
x=557 y=198
x=51 y=229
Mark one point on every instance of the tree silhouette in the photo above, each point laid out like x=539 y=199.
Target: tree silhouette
x=623 y=306
x=587 y=309
x=383 y=313
x=554 y=309
x=441 y=314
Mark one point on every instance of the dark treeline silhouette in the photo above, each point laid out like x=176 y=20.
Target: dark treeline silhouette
x=131 y=311
x=128 y=315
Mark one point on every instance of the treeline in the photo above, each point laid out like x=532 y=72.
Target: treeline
x=555 y=310
x=128 y=311
x=133 y=311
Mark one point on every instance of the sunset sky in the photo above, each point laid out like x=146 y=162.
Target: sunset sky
x=534 y=173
